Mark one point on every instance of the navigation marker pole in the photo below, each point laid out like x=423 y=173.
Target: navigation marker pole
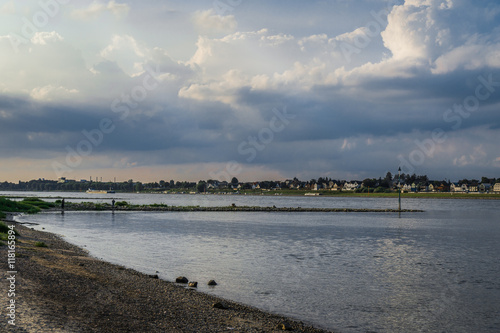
x=399 y=188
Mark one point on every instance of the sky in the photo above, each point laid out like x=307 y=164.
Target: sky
x=259 y=90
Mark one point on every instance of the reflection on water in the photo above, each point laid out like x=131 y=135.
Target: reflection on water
x=436 y=271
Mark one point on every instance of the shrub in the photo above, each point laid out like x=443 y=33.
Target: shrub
x=7 y=205
x=38 y=203
x=40 y=244
x=4 y=228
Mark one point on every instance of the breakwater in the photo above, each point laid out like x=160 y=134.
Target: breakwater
x=120 y=206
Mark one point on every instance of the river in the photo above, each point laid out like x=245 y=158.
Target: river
x=436 y=271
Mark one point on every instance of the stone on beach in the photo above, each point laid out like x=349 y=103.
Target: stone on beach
x=212 y=283
x=220 y=305
x=193 y=284
x=284 y=327
x=182 y=279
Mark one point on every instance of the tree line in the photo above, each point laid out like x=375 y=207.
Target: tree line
x=387 y=182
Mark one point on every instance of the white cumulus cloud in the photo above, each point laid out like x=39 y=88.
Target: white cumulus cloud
x=42 y=38
x=50 y=93
x=208 y=22
x=96 y=8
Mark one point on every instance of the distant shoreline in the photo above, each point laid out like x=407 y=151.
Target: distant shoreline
x=309 y=194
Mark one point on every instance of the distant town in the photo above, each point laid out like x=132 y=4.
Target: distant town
x=387 y=184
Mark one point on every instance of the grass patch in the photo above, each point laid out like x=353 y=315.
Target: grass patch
x=4 y=232
x=40 y=244
x=7 y=205
x=27 y=205
x=4 y=228
x=39 y=203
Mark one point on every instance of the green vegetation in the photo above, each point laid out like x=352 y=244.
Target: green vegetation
x=7 y=205
x=38 y=203
x=156 y=205
x=4 y=228
x=27 y=205
x=40 y=244
x=4 y=233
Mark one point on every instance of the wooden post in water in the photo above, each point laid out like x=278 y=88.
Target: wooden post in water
x=399 y=188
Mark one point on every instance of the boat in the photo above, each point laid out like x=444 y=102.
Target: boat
x=92 y=191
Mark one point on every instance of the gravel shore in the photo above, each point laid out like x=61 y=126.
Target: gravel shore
x=60 y=288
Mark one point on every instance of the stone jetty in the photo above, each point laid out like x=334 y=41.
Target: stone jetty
x=89 y=206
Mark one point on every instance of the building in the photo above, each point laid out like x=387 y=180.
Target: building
x=456 y=187
x=352 y=186
x=484 y=187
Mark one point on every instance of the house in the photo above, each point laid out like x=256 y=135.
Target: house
x=423 y=188
x=406 y=188
x=473 y=187
x=455 y=187
x=496 y=188
x=336 y=187
x=443 y=187
x=484 y=187
x=351 y=186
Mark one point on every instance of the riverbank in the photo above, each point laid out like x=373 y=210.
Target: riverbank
x=60 y=288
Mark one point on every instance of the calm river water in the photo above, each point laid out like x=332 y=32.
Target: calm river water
x=436 y=271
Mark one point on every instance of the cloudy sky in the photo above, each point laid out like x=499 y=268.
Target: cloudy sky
x=202 y=89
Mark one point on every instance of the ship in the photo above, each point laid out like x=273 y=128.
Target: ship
x=92 y=191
